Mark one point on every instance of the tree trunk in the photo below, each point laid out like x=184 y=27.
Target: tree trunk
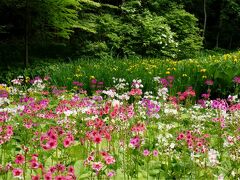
x=218 y=33
x=217 y=40
x=205 y=19
x=26 y=62
x=230 y=42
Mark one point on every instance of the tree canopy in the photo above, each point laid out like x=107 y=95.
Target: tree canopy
x=76 y=28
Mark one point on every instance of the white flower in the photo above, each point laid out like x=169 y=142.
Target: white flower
x=221 y=177
x=115 y=103
x=172 y=145
x=110 y=93
x=212 y=157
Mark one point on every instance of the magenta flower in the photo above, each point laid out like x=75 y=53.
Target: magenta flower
x=20 y=159
x=48 y=176
x=37 y=177
x=135 y=142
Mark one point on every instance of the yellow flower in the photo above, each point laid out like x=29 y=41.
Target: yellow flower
x=168 y=72
x=203 y=70
x=92 y=77
x=2 y=87
x=27 y=79
x=204 y=77
x=235 y=59
x=184 y=75
x=78 y=75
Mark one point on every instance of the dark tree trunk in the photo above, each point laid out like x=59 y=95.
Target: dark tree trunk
x=218 y=33
x=205 y=19
x=217 y=40
x=230 y=42
x=26 y=62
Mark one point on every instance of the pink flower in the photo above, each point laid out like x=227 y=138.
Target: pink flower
x=17 y=172
x=206 y=96
x=71 y=170
x=155 y=153
x=180 y=136
x=97 y=166
x=236 y=79
x=19 y=159
x=60 y=167
x=146 y=152
x=37 y=177
x=135 y=142
x=209 y=82
x=67 y=142
x=109 y=159
x=59 y=177
x=97 y=138
x=111 y=174
x=34 y=164
x=51 y=144
x=48 y=176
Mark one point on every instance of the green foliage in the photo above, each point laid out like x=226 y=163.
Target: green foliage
x=188 y=36
x=157 y=37
x=127 y=28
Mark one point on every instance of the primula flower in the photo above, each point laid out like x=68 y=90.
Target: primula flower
x=111 y=174
x=155 y=153
x=17 y=172
x=146 y=152
x=109 y=159
x=97 y=166
x=37 y=177
x=71 y=170
x=236 y=79
x=209 y=82
x=135 y=142
x=97 y=138
x=20 y=159
x=67 y=142
x=60 y=177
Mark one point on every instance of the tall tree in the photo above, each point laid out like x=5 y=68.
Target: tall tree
x=31 y=18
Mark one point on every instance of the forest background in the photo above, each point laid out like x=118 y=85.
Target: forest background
x=34 y=30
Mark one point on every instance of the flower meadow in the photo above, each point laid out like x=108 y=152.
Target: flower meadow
x=118 y=132
x=219 y=67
